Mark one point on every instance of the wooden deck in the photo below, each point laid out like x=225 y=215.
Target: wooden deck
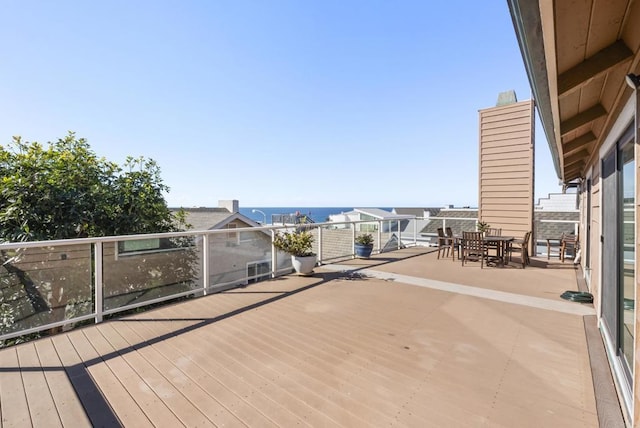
x=335 y=350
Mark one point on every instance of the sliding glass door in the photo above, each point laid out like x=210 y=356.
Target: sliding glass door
x=618 y=252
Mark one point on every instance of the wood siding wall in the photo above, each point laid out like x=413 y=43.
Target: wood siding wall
x=506 y=167
x=594 y=241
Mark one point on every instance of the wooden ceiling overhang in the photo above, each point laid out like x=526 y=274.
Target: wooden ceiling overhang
x=577 y=55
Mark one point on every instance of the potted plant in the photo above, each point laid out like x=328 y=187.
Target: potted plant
x=364 y=245
x=483 y=227
x=299 y=245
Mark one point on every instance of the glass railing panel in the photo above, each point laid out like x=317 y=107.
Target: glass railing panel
x=337 y=242
x=136 y=271
x=239 y=258
x=44 y=285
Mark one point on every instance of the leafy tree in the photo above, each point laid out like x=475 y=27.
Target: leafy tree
x=65 y=190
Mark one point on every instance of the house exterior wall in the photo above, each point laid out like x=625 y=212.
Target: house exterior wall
x=593 y=273
x=505 y=197
x=558 y=202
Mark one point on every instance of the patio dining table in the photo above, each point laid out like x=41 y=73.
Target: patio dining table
x=500 y=243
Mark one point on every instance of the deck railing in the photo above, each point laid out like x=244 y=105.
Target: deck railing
x=54 y=285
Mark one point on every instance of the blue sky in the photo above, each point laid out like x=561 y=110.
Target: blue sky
x=273 y=102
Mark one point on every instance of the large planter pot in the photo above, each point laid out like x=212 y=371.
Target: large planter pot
x=363 y=251
x=303 y=265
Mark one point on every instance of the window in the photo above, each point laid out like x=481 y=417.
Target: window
x=232 y=236
x=258 y=271
x=138 y=245
x=152 y=245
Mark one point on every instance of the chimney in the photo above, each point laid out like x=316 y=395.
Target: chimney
x=506 y=98
x=233 y=206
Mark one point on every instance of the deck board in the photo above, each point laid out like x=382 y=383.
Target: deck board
x=333 y=371
x=98 y=383
x=170 y=395
x=346 y=380
x=203 y=373
x=64 y=396
x=240 y=364
x=319 y=351
x=116 y=371
x=13 y=399
x=42 y=408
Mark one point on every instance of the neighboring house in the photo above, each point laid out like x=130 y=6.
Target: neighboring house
x=559 y=202
x=554 y=216
x=413 y=226
x=390 y=220
x=458 y=219
x=225 y=216
x=418 y=212
x=235 y=257
x=581 y=59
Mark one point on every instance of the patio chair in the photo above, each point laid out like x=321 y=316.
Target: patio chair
x=520 y=246
x=473 y=247
x=553 y=247
x=568 y=244
x=493 y=231
x=454 y=242
x=444 y=243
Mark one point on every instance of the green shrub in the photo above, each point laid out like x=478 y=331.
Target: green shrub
x=295 y=243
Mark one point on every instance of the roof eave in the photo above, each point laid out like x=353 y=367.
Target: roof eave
x=530 y=40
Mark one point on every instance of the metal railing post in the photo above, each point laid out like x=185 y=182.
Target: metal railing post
x=205 y=263
x=319 y=245
x=99 y=281
x=274 y=256
x=379 y=236
x=353 y=240
x=399 y=235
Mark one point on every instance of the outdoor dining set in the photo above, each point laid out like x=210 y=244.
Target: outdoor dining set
x=489 y=247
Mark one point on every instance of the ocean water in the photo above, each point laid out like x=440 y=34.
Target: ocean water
x=318 y=214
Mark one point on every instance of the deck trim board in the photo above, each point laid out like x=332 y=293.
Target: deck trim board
x=518 y=299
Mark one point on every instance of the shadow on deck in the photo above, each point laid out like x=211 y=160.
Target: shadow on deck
x=400 y=339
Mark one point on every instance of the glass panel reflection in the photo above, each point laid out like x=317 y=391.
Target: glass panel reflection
x=43 y=285
x=136 y=271
x=627 y=252
x=239 y=258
